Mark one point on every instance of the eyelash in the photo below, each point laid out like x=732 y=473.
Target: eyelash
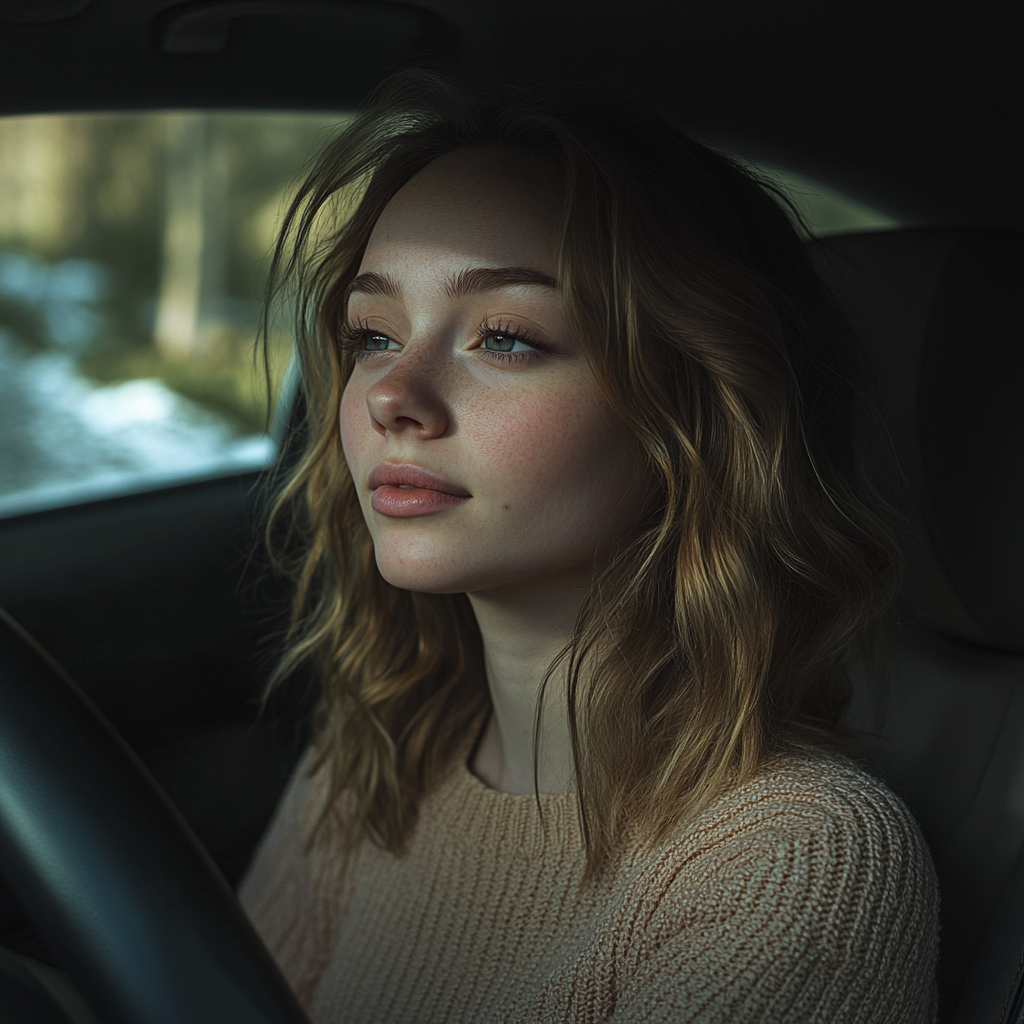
x=507 y=330
x=353 y=338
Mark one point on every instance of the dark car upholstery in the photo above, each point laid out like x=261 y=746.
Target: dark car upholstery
x=940 y=313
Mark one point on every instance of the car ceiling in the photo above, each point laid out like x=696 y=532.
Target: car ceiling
x=915 y=107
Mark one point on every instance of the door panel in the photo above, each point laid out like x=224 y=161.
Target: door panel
x=161 y=607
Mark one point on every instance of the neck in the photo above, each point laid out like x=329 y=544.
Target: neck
x=523 y=629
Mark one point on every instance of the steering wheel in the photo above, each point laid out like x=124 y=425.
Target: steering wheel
x=108 y=870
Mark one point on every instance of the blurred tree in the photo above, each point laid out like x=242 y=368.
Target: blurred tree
x=192 y=274
x=178 y=210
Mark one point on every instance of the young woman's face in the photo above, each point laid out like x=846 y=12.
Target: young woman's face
x=482 y=451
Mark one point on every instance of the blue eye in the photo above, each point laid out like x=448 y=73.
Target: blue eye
x=361 y=341
x=505 y=343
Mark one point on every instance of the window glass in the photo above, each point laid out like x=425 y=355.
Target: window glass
x=133 y=250
x=823 y=210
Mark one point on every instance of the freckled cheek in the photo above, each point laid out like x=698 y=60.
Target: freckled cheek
x=538 y=451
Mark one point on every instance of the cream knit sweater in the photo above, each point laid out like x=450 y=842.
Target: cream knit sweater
x=806 y=896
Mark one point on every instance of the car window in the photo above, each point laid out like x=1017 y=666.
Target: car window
x=824 y=210
x=133 y=250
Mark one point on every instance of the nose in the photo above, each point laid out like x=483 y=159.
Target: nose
x=410 y=398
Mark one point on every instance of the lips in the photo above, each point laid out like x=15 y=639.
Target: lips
x=406 y=491
x=405 y=474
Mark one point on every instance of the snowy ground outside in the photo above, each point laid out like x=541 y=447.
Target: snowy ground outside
x=64 y=439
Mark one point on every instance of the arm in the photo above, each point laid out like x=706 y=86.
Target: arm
x=284 y=892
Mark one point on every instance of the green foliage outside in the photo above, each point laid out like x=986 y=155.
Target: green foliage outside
x=171 y=217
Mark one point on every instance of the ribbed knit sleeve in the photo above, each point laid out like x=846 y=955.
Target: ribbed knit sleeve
x=285 y=892
x=809 y=897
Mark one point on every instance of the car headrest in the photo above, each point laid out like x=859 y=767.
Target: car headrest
x=941 y=314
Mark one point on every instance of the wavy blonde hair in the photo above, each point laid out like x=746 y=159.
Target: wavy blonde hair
x=716 y=640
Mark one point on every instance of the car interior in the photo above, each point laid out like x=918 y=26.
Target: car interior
x=138 y=768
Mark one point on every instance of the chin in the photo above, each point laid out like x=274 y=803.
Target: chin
x=426 y=575
x=432 y=570
x=452 y=574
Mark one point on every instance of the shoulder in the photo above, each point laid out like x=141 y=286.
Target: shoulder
x=286 y=844
x=817 y=825
x=302 y=799
x=813 y=881
x=317 y=815
x=814 y=793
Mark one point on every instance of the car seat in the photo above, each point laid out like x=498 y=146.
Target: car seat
x=940 y=314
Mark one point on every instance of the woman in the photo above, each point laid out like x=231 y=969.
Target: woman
x=580 y=571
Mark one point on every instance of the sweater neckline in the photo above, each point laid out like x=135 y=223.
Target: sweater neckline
x=504 y=824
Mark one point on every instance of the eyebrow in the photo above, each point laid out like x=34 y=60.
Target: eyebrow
x=466 y=282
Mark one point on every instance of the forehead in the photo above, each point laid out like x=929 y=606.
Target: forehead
x=491 y=207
